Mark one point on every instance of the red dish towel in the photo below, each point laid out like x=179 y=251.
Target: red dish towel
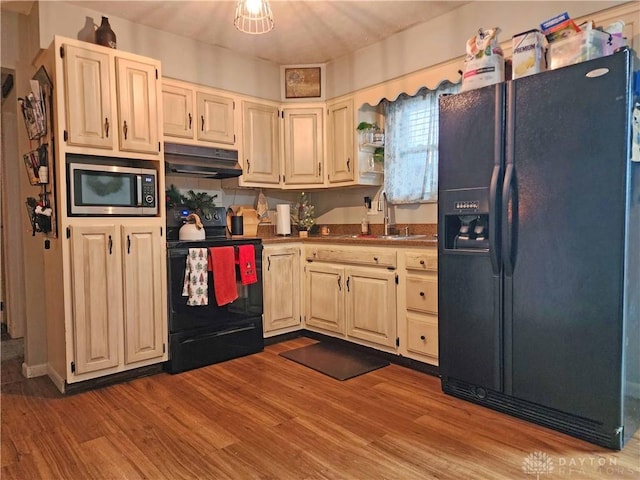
x=247 y=263
x=222 y=264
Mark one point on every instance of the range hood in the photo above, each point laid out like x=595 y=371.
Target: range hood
x=202 y=162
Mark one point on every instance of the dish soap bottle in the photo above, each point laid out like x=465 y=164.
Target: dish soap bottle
x=364 y=226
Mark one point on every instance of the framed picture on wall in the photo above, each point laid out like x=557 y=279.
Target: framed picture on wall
x=302 y=82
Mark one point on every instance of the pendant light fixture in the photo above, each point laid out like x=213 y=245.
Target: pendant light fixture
x=253 y=16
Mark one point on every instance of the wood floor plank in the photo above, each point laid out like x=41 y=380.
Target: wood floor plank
x=266 y=417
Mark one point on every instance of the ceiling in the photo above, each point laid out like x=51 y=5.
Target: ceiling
x=306 y=31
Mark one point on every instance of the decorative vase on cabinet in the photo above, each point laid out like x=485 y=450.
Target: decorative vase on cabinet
x=104 y=35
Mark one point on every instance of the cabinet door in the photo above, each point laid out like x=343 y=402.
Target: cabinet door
x=144 y=309
x=281 y=279
x=97 y=297
x=261 y=152
x=215 y=118
x=177 y=111
x=324 y=293
x=90 y=120
x=340 y=136
x=303 y=152
x=371 y=305
x=137 y=106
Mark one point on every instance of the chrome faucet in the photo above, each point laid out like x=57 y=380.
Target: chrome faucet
x=385 y=212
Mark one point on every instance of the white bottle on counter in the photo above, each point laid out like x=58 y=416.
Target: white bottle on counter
x=364 y=226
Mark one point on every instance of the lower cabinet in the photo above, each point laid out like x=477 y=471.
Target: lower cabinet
x=356 y=302
x=324 y=297
x=118 y=319
x=418 y=309
x=281 y=288
x=371 y=305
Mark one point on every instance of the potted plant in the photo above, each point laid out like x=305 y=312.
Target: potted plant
x=303 y=215
x=201 y=202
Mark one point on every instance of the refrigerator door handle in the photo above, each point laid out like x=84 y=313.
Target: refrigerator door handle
x=493 y=220
x=507 y=219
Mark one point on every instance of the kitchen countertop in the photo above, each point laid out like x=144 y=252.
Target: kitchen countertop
x=348 y=235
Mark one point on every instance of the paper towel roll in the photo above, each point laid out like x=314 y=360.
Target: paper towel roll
x=283 y=220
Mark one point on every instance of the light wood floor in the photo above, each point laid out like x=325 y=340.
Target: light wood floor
x=266 y=417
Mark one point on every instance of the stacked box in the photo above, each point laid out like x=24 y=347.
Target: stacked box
x=528 y=53
x=582 y=46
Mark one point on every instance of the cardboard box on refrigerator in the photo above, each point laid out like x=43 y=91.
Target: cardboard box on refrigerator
x=528 y=53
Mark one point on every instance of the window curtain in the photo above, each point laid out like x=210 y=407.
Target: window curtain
x=411 y=146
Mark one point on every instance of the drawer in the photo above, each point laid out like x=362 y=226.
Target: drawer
x=422 y=335
x=382 y=258
x=426 y=260
x=422 y=293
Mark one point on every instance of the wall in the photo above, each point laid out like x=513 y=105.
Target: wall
x=19 y=33
x=442 y=39
x=181 y=57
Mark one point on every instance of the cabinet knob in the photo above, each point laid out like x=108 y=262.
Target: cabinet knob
x=375 y=259
x=422 y=294
x=423 y=338
x=421 y=262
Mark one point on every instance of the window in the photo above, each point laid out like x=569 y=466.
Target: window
x=411 y=146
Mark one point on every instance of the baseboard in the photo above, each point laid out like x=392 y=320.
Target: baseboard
x=32 y=371
x=57 y=380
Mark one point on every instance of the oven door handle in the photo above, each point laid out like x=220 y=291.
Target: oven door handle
x=217 y=334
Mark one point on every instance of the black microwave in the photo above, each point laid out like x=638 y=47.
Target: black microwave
x=102 y=189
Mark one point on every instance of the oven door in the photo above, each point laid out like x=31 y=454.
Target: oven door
x=183 y=317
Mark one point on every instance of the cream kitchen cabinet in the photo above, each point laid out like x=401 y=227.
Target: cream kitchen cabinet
x=418 y=308
x=303 y=147
x=324 y=297
x=260 y=154
x=111 y=101
x=351 y=291
x=96 y=272
x=343 y=161
x=118 y=308
x=198 y=115
x=177 y=110
x=281 y=287
x=340 y=142
x=215 y=118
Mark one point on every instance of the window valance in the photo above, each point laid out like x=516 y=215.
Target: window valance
x=410 y=84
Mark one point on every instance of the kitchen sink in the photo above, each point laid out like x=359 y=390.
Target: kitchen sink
x=381 y=237
x=401 y=237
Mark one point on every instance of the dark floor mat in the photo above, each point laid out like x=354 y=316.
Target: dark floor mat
x=337 y=361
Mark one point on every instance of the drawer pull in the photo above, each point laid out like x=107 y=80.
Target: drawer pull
x=423 y=338
x=421 y=262
x=422 y=294
x=375 y=259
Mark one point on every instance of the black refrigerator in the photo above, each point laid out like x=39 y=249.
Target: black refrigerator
x=539 y=249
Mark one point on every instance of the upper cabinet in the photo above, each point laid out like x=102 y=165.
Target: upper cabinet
x=177 y=108
x=345 y=163
x=260 y=144
x=215 y=118
x=198 y=115
x=303 y=147
x=111 y=101
x=340 y=142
